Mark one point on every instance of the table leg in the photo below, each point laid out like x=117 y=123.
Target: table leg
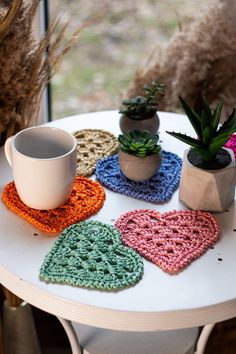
x=19 y=333
x=74 y=343
x=95 y=340
x=203 y=338
x=11 y=298
x=1 y=338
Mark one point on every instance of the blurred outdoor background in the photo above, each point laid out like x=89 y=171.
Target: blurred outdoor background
x=100 y=67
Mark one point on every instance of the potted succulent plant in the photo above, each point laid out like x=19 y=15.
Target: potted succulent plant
x=139 y=155
x=208 y=172
x=140 y=112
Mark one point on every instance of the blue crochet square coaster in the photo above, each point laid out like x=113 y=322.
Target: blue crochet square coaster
x=157 y=189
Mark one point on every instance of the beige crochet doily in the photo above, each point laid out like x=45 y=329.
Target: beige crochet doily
x=93 y=145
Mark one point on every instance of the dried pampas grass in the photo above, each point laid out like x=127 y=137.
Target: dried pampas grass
x=26 y=66
x=199 y=58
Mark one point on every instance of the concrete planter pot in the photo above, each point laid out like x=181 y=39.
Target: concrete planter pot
x=139 y=168
x=209 y=190
x=151 y=124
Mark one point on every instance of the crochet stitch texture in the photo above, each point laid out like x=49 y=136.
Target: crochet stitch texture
x=90 y=254
x=86 y=198
x=171 y=240
x=92 y=145
x=157 y=189
x=231 y=144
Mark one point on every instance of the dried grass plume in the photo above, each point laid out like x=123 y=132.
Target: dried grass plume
x=201 y=57
x=26 y=66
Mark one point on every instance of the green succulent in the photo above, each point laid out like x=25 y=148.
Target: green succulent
x=211 y=137
x=139 y=143
x=143 y=107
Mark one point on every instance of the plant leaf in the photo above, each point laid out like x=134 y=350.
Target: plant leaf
x=216 y=145
x=206 y=118
x=205 y=154
x=186 y=139
x=229 y=126
x=207 y=112
x=198 y=106
x=193 y=117
x=217 y=115
x=206 y=136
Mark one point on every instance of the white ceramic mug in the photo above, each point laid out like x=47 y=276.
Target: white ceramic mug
x=43 y=161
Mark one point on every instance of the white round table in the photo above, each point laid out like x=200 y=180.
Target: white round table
x=203 y=293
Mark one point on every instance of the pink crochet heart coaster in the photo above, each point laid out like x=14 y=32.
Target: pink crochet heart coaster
x=171 y=240
x=231 y=144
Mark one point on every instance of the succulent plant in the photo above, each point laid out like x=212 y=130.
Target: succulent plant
x=143 y=107
x=211 y=137
x=139 y=143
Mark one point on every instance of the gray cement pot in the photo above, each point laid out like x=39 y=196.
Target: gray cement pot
x=139 y=168
x=209 y=190
x=151 y=124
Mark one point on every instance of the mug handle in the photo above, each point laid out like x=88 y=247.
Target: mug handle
x=8 y=151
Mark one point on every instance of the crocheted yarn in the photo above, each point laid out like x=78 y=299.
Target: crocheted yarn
x=92 y=145
x=90 y=254
x=231 y=144
x=157 y=189
x=171 y=240
x=86 y=198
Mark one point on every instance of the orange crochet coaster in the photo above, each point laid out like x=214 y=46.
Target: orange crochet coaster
x=86 y=198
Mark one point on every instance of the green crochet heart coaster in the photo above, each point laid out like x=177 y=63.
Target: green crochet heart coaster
x=90 y=254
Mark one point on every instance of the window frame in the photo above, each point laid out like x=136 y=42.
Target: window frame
x=40 y=26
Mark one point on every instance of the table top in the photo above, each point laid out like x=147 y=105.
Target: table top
x=204 y=292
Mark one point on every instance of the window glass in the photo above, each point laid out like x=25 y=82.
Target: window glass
x=101 y=65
